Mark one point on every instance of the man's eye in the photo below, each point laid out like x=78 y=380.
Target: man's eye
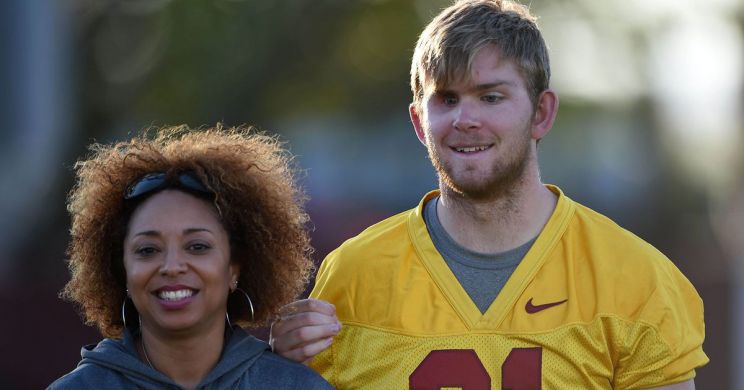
x=491 y=98
x=449 y=100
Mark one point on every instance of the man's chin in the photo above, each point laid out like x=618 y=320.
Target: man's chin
x=480 y=187
x=473 y=189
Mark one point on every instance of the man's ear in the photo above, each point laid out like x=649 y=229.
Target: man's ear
x=416 y=121
x=545 y=113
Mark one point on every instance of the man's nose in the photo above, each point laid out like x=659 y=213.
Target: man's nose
x=466 y=116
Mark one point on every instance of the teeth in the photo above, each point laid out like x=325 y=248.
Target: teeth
x=471 y=149
x=175 y=295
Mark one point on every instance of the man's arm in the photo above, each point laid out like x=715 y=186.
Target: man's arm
x=304 y=329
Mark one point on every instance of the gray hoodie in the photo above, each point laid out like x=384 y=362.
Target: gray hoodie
x=246 y=363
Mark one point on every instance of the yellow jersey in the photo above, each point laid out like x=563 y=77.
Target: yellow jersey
x=590 y=306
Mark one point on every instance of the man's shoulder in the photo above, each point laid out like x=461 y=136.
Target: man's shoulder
x=634 y=274
x=382 y=230
x=385 y=237
x=587 y=231
x=374 y=261
x=389 y=236
x=595 y=232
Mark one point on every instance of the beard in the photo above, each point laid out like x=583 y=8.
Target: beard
x=499 y=181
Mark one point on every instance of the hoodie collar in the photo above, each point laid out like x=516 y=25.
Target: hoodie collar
x=240 y=352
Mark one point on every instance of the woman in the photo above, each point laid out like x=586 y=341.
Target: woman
x=177 y=238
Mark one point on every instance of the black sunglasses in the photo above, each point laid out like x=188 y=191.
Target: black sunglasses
x=157 y=181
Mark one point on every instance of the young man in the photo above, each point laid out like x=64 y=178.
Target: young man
x=496 y=280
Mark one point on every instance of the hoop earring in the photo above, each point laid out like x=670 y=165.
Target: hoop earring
x=124 y=309
x=250 y=305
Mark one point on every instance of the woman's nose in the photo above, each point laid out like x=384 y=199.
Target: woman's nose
x=173 y=263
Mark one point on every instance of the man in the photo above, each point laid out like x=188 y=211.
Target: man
x=496 y=280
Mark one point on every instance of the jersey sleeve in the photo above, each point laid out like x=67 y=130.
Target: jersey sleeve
x=664 y=346
x=326 y=290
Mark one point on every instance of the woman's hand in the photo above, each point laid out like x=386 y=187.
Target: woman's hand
x=304 y=329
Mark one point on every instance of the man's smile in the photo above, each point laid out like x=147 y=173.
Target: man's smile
x=471 y=149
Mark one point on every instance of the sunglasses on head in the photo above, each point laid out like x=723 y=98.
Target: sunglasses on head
x=157 y=181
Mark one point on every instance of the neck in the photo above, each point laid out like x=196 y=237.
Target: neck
x=500 y=223
x=186 y=359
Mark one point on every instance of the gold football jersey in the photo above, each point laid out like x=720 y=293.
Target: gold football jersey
x=591 y=306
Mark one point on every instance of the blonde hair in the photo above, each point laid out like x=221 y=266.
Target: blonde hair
x=446 y=48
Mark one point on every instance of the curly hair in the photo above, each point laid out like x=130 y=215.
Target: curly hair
x=256 y=196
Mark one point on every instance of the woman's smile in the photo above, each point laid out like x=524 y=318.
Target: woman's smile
x=175 y=297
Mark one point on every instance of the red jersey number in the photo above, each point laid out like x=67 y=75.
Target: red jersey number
x=461 y=368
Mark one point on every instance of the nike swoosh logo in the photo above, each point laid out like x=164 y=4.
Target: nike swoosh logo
x=532 y=309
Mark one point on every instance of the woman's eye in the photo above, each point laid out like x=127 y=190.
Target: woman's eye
x=198 y=247
x=146 y=251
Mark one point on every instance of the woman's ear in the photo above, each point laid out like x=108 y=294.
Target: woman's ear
x=234 y=275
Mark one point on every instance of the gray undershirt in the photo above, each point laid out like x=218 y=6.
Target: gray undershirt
x=482 y=275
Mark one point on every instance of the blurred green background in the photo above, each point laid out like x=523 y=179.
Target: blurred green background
x=649 y=130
